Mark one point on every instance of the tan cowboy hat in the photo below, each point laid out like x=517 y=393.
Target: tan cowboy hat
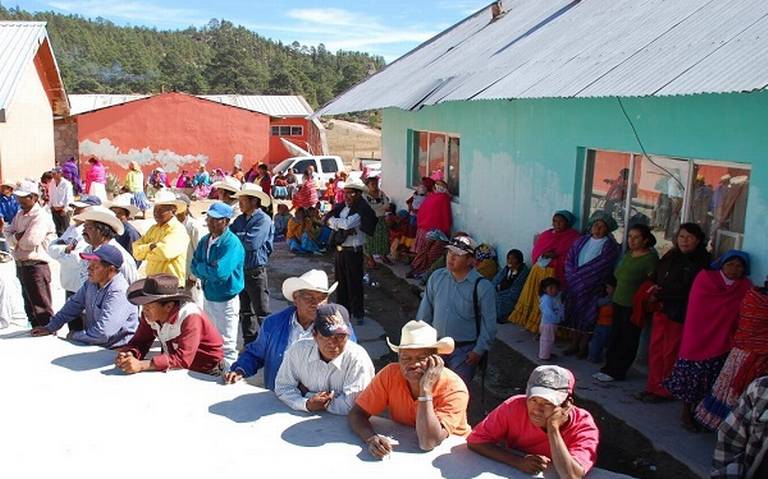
x=420 y=335
x=101 y=214
x=312 y=280
x=227 y=183
x=167 y=197
x=158 y=287
x=123 y=201
x=249 y=189
x=356 y=184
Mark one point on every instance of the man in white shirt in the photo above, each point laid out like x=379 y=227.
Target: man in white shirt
x=327 y=372
x=62 y=195
x=351 y=221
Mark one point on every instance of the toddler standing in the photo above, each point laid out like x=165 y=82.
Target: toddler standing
x=552 y=310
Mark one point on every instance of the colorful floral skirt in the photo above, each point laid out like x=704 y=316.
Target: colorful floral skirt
x=527 y=313
x=691 y=381
x=379 y=242
x=741 y=368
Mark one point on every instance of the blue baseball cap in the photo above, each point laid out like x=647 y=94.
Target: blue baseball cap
x=220 y=210
x=107 y=253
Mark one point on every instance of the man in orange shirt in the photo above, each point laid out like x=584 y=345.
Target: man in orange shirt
x=418 y=391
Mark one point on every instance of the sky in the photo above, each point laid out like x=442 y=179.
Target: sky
x=389 y=28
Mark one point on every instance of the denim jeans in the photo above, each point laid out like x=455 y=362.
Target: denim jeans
x=225 y=316
x=456 y=362
x=598 y=343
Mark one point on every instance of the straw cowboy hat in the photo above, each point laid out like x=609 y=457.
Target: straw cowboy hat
x=250 y=189
x=101 y=214
x=356 y=184
x=167 y=197
x=312 y=280
x=420 y=335
x=227 y=183
x=158 y=287
x=123 y=201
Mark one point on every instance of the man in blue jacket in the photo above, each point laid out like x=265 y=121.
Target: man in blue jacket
x=280 y=330
x=255 y=230
x=218 y=263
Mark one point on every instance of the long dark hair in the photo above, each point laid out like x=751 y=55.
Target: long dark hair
x=695 y=230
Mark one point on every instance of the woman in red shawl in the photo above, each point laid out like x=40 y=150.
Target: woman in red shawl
x=710 y=324
x=548 y=259
x=747 y=360
x=434 y=214
x=306 y=197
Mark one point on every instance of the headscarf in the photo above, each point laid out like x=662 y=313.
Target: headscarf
x=601 y=215
x=569 y=217
x=729 y=255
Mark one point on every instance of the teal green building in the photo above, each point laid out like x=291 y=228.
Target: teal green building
x=654 y=111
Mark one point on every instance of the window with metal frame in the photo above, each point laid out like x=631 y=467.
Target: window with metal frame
x=664 y=192
x=436 y=155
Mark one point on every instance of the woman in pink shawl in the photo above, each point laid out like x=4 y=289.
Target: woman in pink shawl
x=548 y=259
x=96 y=179
x=434 y=214
x=710 y=324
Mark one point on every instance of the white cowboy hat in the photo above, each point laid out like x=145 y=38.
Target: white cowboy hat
x=25 y=188
x=227 y=183
x=312 y=280
x=104 y=215
x=420 y=335
x=166 y=197
x=356 y=184
x=123 y=201
x=249 y=189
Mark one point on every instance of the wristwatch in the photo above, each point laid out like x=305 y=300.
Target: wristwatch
x=425 y=398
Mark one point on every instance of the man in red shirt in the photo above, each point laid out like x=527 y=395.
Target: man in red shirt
x=543 y=425
x=187 y=338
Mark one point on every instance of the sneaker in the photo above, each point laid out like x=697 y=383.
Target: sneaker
x=602 y=377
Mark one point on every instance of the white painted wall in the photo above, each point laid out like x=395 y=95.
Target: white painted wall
x=26 y=137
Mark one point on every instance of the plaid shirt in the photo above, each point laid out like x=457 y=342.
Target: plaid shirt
x=742 y=440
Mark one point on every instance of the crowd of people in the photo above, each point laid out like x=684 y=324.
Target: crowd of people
x=205 y=286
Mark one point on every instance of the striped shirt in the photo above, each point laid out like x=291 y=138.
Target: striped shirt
x=347 y=376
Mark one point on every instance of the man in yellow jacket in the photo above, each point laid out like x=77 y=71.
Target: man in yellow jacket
x=164 y=246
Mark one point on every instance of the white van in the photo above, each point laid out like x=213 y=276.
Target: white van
x=325 y=166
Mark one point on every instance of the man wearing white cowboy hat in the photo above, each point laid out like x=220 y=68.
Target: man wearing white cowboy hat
x=544 y=425
x=227 y=189
x=29 y=235
x=280 y=330
x=351 y=221
x=100 y=227
x=418 y=391
x=460 y=303
x=122 y=208
x=164 y=245
x=256 y=231
x=196 y=229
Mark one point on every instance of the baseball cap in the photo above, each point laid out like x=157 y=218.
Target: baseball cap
x=332 y=319
x=552 y=383
x=220 y=210
x=26 y=188
x=107 y=253
x=462 y=245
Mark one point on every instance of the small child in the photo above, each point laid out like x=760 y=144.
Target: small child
x=604 y=323
x=552 y=312
x=281 y=221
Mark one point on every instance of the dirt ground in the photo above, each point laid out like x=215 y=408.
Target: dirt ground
x=393 y=302
x=352 y=140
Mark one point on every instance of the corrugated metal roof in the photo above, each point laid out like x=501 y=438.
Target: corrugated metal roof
x=278 y=105
x=578 y=49
x=19 y=43
x=273 y=105
x=85 y=103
